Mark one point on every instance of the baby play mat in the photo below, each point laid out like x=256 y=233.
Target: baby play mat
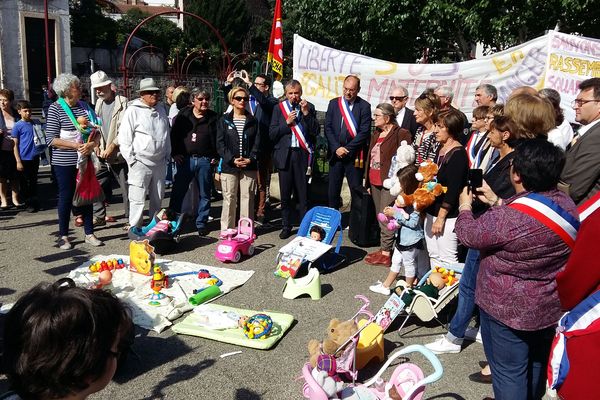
x=134 y=289
x=281 y=323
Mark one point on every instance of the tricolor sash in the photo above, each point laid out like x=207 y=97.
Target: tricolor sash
x=591 y=205
x=474 y=155
x=252 y=105
x=582 y=320
x=550 y=214
x=351 y=126
x=298 y=131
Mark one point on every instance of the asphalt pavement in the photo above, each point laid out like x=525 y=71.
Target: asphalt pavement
x=171 y=366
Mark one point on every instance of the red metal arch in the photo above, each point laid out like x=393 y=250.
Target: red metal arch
x=152 y=49
x=178 y=12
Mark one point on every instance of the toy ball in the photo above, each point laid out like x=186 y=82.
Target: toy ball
x=105 y=277
x=258 y=326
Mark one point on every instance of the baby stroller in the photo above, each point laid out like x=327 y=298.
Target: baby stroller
x=163 y=242
x=331 y=221
x=407 y=379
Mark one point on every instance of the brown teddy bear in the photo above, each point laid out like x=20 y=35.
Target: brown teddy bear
x=429 y=189
x=337 y=333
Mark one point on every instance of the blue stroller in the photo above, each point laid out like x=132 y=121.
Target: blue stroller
x=163 y=242
x=331 y=221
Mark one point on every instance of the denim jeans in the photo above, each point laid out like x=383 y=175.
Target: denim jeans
x=65 y=178
x=466 y=298
x=517 y=359
x=197 y=168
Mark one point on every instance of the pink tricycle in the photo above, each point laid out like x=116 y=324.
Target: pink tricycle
x=234 y=243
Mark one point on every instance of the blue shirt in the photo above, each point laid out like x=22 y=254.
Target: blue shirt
x=23 y=131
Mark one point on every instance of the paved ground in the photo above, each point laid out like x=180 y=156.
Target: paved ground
x=183 y=367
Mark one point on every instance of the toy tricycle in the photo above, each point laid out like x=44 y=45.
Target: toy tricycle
x=235 y=243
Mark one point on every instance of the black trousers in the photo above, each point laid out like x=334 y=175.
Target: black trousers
x=29 y=178
x=337 y=170
x=294 y=178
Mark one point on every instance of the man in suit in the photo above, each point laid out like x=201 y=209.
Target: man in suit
x=580 y=177
x=348 y=138
x=261 y=105
x=293 y=131
x=404 y=115
x=486 y=95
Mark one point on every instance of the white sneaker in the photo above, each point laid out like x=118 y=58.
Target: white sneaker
x=443 y=346
x=93 y=240
x=64 y=244
x=379 y=288
x=473 y=334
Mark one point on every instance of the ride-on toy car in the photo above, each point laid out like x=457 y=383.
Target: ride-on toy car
x=235 y=243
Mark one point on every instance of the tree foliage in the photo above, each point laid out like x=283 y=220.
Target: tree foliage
x=159 y=32
x=89 y=27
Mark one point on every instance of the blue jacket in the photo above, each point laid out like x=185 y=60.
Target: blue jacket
x=411 y=230
x=333 y=128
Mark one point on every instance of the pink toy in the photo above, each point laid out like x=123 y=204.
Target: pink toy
x=391 y=222
x=235 y=243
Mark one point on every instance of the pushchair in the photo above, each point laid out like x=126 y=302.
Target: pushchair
x=331 y=222
x=163 y=242
x=407 y=380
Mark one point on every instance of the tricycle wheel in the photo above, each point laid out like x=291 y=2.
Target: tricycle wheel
x=251 y=250
x=237 y=256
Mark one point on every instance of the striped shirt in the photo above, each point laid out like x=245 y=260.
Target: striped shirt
x=239 y=125
x=426 y=146
x=59 y=120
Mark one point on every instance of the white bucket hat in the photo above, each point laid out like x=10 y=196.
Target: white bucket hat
x=148 y=85
x=99 y=79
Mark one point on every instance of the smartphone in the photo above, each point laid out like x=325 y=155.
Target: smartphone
x=237 y=74
x=475 y=179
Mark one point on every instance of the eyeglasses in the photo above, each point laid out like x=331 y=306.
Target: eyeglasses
x=581 y=102
x=377 y=115
x=202 y=99
x=259 y=84
x=399 y=98
x=240 y=98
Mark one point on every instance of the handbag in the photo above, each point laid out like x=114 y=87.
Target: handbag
x=87 y=189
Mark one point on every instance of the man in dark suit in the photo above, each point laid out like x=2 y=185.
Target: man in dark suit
x=348 y=138
x=261 y=105
x=580 y=177
x=293 y=131
x=404 y=115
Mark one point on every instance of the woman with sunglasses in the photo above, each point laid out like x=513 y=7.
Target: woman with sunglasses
x=237 y=144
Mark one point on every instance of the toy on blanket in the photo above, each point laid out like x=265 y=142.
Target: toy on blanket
x=209 y=291
x=219 y=319
x=325 y=375
x=257 y=326
x=158 y=282
x=141 y=257
x=107 y=265
x=337 y=333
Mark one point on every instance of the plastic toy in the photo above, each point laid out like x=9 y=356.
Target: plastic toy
x=141 y=257
x=236 y=243
x=107 y=265
x=258 y=326
x=204 y=295
x=158 y=282
x=309 y=284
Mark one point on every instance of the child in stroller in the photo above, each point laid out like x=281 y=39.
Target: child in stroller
x=162 y=232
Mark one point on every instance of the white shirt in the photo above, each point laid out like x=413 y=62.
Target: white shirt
x=400 y=116
x=562 y=135
x=587 y=127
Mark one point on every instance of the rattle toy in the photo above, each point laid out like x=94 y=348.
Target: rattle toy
x=257 y=326
x=107 y=265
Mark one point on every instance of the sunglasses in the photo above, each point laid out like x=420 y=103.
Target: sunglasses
x=399 y=98
x=240 y=98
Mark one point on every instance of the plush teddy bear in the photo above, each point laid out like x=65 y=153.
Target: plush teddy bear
x=405 y=155
x=337 y=333
x=425 y=195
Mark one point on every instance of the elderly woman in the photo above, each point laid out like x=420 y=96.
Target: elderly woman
x=238 y=143
x=385 y=141
x=453 y=164
x=66 y=142
x=562 y=134
x=194 y=149
x=427 y=106
x=9 y=152
x=521 y=254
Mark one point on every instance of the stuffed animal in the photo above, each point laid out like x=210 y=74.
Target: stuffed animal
x=337 y=333
x=405 y=155
x=392 y=222
x=425 y=195
x=325 y=374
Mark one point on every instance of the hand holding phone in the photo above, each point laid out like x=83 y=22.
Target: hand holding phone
x=475 y=179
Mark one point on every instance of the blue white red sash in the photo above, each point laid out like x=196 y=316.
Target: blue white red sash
x=298 y=131
x=351 y=126
x=252 y=105
x=550 y=214
x=591 y=205
x=474 y=156
x=582 y=320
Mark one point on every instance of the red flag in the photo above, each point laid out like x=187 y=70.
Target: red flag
x=275 y=55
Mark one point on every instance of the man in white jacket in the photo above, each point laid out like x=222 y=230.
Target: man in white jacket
x=146 y=146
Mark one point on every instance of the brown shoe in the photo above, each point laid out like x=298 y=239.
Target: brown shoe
x=110 y=219
x=478 y=377
x=372 y=256
x=384 y=260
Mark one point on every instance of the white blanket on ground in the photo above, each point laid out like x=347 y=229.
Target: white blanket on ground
x=134 y=289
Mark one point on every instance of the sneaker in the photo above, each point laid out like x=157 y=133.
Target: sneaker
x=473 y=334
x=443 y=346
x=93 y=240
x=285 y=233
x=379 y=288
x=64 y=244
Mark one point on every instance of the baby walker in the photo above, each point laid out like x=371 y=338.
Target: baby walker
x=234 y=243
x=407 y=381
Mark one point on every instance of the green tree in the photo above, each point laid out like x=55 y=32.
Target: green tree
x=159 y=32
x=89 y=27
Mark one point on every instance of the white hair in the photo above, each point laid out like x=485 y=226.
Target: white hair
x=445 y=91
x=63 y=82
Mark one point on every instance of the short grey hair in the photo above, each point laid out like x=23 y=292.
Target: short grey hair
x=63 y=82
x=404 y=90
x=388 y=109
x=490 y=90
x=446 y=91
x=196 y=92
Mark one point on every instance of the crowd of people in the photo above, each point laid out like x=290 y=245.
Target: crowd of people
x=519 y=227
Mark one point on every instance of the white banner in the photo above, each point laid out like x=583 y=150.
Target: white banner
x=322 y=70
